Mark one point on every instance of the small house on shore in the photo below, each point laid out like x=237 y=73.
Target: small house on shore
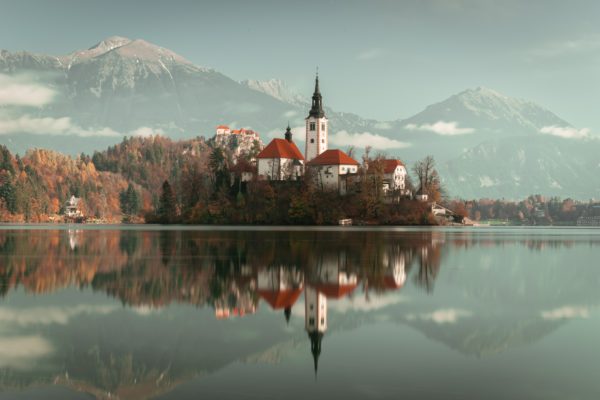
x=72 y=208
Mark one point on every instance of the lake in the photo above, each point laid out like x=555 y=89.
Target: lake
x=258 y=313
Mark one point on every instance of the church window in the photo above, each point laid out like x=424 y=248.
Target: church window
x=311 y=321
x=322 y=127
x=311 y=307
x=322 y=140
x=312 y=126
x=312 y=140
x=322 y=321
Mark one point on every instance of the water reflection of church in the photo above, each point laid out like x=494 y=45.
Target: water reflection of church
x=332 y=279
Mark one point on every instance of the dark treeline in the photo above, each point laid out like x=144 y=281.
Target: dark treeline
x=219 y=195
x=534 y=210
x=156 y=179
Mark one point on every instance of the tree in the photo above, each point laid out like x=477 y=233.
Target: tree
x=167 y=206
x=7 y=193
x=428 y=179
x=218 y=166
x=130 y=201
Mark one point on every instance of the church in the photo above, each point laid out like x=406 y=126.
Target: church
x=281 y=159
x=329 y=169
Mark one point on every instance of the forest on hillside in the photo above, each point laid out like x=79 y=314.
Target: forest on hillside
x=156 y=179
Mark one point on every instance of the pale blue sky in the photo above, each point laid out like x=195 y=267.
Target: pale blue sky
x=381 y=59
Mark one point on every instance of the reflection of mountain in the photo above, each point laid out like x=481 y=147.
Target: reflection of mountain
x=491 y=293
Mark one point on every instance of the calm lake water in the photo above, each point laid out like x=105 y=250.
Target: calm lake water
x=237 y=313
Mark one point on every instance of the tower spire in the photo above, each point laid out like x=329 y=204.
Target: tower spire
x=315 y=348
x=288 y=133
x=316 y=110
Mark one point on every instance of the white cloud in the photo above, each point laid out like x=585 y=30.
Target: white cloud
x=145 y=131
x=361 y=304
x=290 y=114
x=362 y=140
x=441 y=128
x=48 y=315
x=298 y=134
x=22 y=351
x=567 y=312
x=566 y=132
x=21 y=91
x=370 y=54
x=144 y=311
x=49 y=126
x=343 y=138
x=383 y=126
x=64 y=126
x=443 y=316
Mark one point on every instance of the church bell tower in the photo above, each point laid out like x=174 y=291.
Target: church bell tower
x=316 y=126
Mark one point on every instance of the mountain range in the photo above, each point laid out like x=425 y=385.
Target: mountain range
x=486 y=144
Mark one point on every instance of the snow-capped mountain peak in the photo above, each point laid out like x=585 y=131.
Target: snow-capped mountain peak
x=275 y=88
x=484 y=108
x=110 y=43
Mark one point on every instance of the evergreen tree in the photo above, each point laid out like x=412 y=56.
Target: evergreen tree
x=7 y=192
x=6 y=160
x=130 y=201
x=167 y=207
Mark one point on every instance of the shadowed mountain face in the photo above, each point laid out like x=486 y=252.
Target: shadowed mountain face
x=129 y=87
x=136 y=313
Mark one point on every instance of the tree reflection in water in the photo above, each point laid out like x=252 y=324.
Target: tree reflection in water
x=234 y=273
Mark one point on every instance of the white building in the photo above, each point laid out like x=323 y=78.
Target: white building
x=393 y=173
x=72 y=208
x=315 y=320
x=281 y=160
x=316 y=126
x=331 y=169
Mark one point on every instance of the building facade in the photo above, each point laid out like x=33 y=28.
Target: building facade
x=316 y=126
x=331 y=169
x=281 y=160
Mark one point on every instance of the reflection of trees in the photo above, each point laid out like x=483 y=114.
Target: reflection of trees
x=156 y=268
x=429 y=259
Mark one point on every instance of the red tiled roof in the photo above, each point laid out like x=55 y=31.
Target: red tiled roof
x=389 y=166
x=280 y=299
x=332 y=157
x=281 y=148
x=336 y=291
x=222 y=127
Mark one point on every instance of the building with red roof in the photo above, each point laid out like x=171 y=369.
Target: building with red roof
x=393 y=173
x=280 y=287
x=281 y=160
x=331 y=170
x=239 y=141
